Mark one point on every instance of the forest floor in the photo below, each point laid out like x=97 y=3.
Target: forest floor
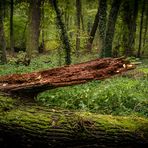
x=121 y=95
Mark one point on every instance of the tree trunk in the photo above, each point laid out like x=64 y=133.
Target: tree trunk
x=64 y=35
x=67 y=25
x=33 y=27
x=93 y=30
x=82 y=22
x=132 y=29
x=4 y=5
x=78 y=12
x=3 y=58
x=141 y=27
x=146 y=25
x=66 y=15
x=28 y=125
x=107 y=46
x=89 y=26
x=102 y=24
x=42 y=46
x=29 y=85
x=130 y=17
x=100 y=20
x=11 y=27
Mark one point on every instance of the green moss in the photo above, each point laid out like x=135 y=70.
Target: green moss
x=40 y=119
x=112 y=123
x=6 y=103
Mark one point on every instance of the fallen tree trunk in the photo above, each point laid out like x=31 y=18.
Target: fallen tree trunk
x=24 y=125
x=29 y=85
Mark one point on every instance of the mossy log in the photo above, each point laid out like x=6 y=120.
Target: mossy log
x=29 y=85
x=30 y=125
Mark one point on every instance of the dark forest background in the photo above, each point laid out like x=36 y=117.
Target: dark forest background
x=104 y=28
x=42 y=34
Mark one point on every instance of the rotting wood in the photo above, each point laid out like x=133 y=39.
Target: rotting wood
x=29 y=85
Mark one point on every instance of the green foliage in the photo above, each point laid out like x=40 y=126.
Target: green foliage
x=118 y=96
x=123 y=95
x=67 y=7
x=6 y=103
x=40 y=62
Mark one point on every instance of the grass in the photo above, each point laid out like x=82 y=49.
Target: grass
x=117 y=96
x=122 y=95
x=40 y=62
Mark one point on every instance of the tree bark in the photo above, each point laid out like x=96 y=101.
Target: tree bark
x=130 y=17
x=64 y=35
x=141 y=27
x=28 y=125
x=33 y=27
x=102 y=24
x=100 y=21
x=29 y=85
x=42 y=45
x=82 y=22
x=11 y=27
x=78 y=14
x=107 y=46
x=93 y=30
x=3 y=58
x=146 y=25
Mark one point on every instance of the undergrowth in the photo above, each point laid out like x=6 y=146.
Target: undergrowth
x=122 y=95
x=41 y=62
x=117 y=96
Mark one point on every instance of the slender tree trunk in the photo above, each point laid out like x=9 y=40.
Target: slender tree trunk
x=100 y=19
x=64 y=35
x=3 y=3
x=102 y=24
x=66 y=20
x=141 y=28
x=66 y=14
x=107 y=46
x=78 y=12
x=130 y=17
x=82 y=22
x=11 y=26
x=42 y=46
x=146 y=26
x=71 y=22
x=89 y=26
x=33 y=27
x=3 y=58
x=132 y=30
x=24 y=34
x=93 y=31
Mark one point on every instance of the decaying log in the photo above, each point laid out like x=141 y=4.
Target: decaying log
x=33 y=83
x=29 y=125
